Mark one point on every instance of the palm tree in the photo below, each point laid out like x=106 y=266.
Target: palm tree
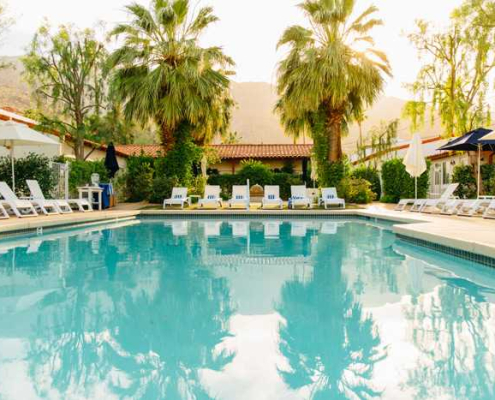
x=161 y=72
x=331 y=72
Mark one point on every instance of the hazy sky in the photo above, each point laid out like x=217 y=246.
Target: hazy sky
x=248 y=29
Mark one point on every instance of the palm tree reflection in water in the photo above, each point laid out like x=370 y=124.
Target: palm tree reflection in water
x=331 y=346
x=147 y=335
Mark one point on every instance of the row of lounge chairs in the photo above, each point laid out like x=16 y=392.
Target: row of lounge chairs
x=448 y=204
x=36 y=204
x=240 y=197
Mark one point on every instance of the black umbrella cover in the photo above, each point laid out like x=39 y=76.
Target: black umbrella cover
x=111 y=161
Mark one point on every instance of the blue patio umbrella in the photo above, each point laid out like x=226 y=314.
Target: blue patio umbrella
x=472 y=141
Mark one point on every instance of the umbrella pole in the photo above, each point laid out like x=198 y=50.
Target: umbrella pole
x=479 y=170
x=416 y=188
x=13 y=168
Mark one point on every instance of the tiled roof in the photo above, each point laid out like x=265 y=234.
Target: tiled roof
x=233 y=151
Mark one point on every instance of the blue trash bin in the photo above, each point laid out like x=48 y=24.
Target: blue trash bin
x=105 y=196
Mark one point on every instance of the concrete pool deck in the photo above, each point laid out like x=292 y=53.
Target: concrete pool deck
x=471 y=234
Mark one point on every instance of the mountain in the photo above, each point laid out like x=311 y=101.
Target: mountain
x=254 y=118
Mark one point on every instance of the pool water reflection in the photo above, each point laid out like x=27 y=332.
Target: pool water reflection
x=260 y=309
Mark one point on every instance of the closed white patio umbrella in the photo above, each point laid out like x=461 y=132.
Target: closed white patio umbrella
x=13 y=134
x=415 y=161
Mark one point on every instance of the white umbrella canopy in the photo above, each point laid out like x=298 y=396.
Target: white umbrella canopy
x=13 y=134
x=415 y=160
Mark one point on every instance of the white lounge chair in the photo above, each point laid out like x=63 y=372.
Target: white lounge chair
x=21 y=208
x=432 y=205
x=490 y=210
x=62 y=205
x=240 y=196
x=329 y=197
x=47 y=207
x=402 y=205
x=271 y=197
x=472 y=208
x=212 y=197
x=3 y=212
x=299 y=197
x=272 y=229
x=178 y=198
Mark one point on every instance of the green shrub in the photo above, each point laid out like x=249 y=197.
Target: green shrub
x=285 y=181
x=257 y=173
x=464 y=176
x=356 y=191
x=488 y=179
x=139 y=178
x=179 y=162
x=33 y=166
x=372 y=176
x=81 y=171
x=398 y=184
x=331 y=174
x=162 y=189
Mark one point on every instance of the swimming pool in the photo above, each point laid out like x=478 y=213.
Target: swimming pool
x=234 y=309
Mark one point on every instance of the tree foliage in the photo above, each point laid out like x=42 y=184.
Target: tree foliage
x=331 y=73
x=379 y=143
x=66 y=69
x=162 y=73
x=457 y=72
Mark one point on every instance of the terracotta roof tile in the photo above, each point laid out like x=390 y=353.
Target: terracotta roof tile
x=234 y=151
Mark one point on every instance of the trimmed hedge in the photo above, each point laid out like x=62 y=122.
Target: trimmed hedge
x=465 y=177
x=398 y=184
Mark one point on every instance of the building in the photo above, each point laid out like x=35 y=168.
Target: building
x=276 y=156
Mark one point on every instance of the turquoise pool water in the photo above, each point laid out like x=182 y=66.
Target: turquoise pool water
x=172 y=309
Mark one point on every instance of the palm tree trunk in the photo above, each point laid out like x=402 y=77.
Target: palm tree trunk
x=334 y=131
x=168 y=137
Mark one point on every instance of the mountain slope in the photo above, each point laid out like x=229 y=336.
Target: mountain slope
x=254 y=118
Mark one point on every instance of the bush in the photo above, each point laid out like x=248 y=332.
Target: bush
x=398 y=184
x=81 y=171
x=285 y=181
x=488 y=179
x=356 y=191
x=179 y=163
x=33 y=166
x=331 y=174
x=162 y=189
x=139 y=178
x=257 y=173
x=464 y=176
x=372 y=176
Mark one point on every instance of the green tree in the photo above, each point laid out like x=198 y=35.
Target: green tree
x=162 y=73
x=455 y=78
x=331 y=73
x=66 y=69
x=380 y=141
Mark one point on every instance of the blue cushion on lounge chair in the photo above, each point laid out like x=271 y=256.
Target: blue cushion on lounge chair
x=271 y=197
x=210 y=197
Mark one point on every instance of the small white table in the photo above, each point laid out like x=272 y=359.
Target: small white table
x=88 y=191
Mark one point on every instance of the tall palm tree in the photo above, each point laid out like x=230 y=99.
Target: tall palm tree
x=331 y=72
x=161 y=72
